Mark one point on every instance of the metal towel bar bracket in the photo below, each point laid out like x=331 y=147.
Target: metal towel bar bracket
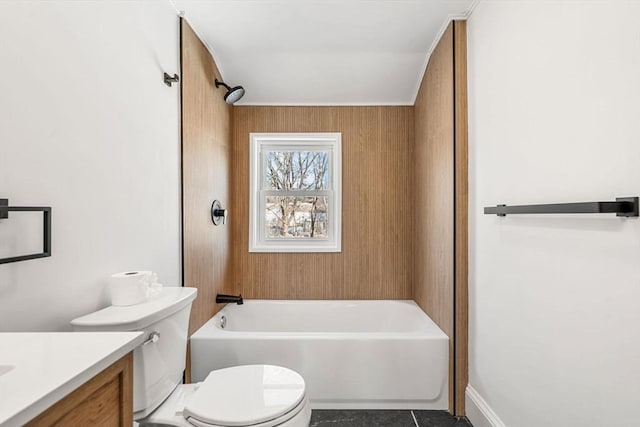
x=46 y=222
x=623 y=207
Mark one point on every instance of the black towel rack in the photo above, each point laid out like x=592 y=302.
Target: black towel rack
x=623 y=206
x=46 y=222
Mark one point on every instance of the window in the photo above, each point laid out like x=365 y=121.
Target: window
x=295 y=187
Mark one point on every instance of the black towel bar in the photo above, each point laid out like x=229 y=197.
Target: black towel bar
x=623 y=206
x=46 y=221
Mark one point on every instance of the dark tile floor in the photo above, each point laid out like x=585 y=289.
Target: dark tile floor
x=348 y=418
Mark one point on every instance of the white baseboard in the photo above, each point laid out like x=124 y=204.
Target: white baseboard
x=478 y=410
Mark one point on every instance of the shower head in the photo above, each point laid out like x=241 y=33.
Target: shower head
x=233 y=93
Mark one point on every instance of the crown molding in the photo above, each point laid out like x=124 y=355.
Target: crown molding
x=182 y=14
x=453 y=17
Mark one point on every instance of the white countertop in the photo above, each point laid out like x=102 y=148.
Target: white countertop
x=40 y=368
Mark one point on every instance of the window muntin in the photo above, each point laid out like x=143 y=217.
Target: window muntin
x=295 y=192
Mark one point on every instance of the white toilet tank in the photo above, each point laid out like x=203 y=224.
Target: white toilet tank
x=158 y=364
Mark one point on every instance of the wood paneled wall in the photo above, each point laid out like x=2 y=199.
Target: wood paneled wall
x=440 y=286
x=461 y=230
x=376 y=261
x=206 y=157
x=404 y=218
x=433 y=289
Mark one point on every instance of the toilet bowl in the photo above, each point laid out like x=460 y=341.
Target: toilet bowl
x=251 y=395
x=239 y=396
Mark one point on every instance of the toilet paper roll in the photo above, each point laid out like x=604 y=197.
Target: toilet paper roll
x=130 y=287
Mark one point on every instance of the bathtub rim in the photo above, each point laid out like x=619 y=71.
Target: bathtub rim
x=211 y=328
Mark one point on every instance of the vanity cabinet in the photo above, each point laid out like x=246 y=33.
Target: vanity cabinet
x=106 y=400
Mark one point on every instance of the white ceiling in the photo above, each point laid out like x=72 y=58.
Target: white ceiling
x=322 y=52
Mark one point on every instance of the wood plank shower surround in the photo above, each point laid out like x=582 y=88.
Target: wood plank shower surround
x=206 y=158
x=404 y=219
x=441 y=176
x=376 y=261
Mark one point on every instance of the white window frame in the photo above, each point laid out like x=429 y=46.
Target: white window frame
x=261 y=142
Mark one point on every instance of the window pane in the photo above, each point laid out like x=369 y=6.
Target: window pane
x=296 y=217
x=296 y=170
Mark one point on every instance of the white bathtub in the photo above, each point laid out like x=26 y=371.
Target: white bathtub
x=352 y=354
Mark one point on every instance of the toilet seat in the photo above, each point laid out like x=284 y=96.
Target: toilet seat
x=250 y=395
x=299 y=416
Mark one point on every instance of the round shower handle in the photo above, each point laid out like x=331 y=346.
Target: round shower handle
x=218 y=214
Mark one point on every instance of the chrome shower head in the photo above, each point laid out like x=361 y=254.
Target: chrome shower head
x=233 y=93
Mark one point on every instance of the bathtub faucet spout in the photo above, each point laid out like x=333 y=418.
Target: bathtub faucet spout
x=222 y=298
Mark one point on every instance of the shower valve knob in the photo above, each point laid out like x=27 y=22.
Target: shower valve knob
x=222 y=213
x=218 y=214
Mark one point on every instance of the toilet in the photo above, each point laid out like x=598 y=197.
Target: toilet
x=250 y=395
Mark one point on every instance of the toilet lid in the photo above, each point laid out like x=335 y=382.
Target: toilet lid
x=245 y=395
